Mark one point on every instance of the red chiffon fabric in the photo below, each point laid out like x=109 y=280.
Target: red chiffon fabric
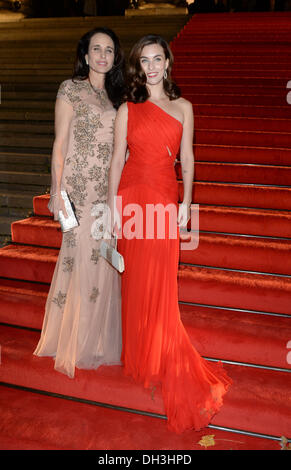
x=156 y=347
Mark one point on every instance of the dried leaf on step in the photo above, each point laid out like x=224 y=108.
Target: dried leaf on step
x=284 y=443
x=207 y=441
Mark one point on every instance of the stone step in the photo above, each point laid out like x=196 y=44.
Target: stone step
x=29 y=87
x=44 y=76
x=14 y=205
x=51 y=50
x=39 y=72
x=25 y=178
x=13 y=65
x=16 y=200
x=37 y=60
x=32 y=127
x=23 y=140
x=27 y=189
x=26 y=162
x=72 y=35
x=5 y=225
x=27 y=182
x=120 y=24
x=34 y=51
x=25 y=151
x=28 y=95
x=22 y=115
x=25 y=105
x=116 y=22
x=19 y=212
x=41 y=40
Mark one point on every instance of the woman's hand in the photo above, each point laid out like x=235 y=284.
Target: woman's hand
x=184 y=214
x=113 y=220
x=56 y=204
x=116 y=222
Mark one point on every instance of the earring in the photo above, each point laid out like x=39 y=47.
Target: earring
x=165 y=74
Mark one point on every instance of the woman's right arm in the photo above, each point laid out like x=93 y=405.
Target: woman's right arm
x=63 y=118
x=118 y=156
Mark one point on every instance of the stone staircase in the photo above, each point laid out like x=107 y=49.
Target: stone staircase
x=36 y=55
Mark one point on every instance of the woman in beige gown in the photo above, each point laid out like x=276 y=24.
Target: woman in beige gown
x=82 y=322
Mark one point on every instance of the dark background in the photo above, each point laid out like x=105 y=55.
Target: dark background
x=54 y=8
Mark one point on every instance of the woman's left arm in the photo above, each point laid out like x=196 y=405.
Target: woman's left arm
x=187 y=163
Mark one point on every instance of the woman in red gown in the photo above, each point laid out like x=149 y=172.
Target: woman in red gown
x=154 y=123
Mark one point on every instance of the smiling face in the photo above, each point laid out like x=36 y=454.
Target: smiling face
x=153 y=63
x=100 y=55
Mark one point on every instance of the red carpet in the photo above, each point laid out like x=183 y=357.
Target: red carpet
x=234 y=289
x=252 y=394
x=93 y=428
x=235 y=336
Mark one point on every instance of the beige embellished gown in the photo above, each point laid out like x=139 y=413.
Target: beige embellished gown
x=82 y=322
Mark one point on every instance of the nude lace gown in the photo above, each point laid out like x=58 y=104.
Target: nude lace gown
x=82 y=322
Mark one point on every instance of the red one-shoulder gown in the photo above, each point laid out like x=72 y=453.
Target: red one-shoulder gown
x=156 y=346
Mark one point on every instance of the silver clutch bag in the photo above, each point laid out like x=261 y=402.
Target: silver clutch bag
x=112 y=256
x=70 y=222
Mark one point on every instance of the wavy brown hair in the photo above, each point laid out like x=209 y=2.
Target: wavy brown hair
x=136 y=89
x=114 y=79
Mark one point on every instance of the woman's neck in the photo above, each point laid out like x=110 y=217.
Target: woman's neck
x=157 y=92
x=96 y=79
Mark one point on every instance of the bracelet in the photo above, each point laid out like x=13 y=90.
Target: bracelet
x=52 y=195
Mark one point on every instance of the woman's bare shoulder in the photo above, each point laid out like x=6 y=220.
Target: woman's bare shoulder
x=123 y=110
x=185 y=104
x=186 y=108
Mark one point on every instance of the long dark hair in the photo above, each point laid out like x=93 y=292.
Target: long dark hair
x=114 y=79
x=136 y=90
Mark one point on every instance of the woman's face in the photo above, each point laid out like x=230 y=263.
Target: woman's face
x=153 y=63
x=100 y=55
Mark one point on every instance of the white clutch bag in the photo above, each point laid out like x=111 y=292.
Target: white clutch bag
x=112 y=256
x=70 y=222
